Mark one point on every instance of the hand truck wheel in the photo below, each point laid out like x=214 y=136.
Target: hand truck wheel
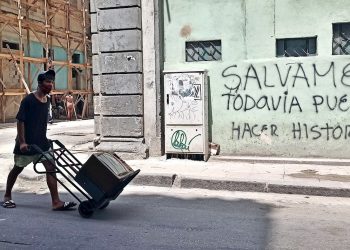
x=86 y=210
x=104 y=205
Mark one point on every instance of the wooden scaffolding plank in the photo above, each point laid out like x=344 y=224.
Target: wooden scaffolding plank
x=44 y=31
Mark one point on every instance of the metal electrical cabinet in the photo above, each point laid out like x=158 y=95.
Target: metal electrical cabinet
x=186 y=113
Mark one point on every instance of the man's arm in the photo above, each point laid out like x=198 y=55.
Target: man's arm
x=23 y=146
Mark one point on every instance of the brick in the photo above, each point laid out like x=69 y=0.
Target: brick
x=123 y=40
x=93 y=23
x=95 y=43
x=121 y=84
x=121 y=105
x=119 y=62
x=97 y=105
x=118 y=146
x=116 y=3
x=95 y=65
x=113 y=19
x=97 y=122
x=96 y=84
x=122 y=126
x=93 y=6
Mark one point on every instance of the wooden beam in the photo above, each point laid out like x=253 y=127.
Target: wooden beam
x=39 y=27
x=21 y=64
x=58 y=40
x=69 y=55
x=43 y=60
x=84 y=9
x=76 y=91
x=76 y=48
x=30 y=5
x=9 y=92
x=45 y=32
x=17 y=92
x=29 y=72
x=3 y=26
x=2 y=103
x=2 y=84
x=23 y=81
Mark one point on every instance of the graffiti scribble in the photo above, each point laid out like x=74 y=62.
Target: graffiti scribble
x=179 y=140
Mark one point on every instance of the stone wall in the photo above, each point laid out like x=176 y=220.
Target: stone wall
x=118 y=72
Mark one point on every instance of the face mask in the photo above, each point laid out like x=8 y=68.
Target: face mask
x=46 y=89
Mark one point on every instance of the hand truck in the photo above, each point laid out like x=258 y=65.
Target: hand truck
x=100 y=179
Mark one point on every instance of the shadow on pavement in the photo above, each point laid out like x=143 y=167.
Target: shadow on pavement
x=139 y=221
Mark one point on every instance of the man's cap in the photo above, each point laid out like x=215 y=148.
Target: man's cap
x=47 y=75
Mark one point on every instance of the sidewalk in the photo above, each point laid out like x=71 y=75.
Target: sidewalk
x=239 y=174
x=327 y=177
x=275 y=175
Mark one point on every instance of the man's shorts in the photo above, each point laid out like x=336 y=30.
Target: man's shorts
x=24 y=160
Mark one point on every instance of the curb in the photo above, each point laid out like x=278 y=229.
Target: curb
x=230 y=185
x=271 y=160
x=176 y=181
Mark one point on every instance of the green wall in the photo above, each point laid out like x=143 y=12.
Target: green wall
x=274 y=102
x=36 y=50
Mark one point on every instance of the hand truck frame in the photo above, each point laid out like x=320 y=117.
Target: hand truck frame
x=70 y=168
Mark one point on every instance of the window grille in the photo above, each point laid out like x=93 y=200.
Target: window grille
x=75 y=59
x=296 y=47
x=341 y=39
x=203 y=51
x=14 y=46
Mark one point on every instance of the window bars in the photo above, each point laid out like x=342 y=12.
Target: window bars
x=341 y=39
x=296 y=47
x=203 y=51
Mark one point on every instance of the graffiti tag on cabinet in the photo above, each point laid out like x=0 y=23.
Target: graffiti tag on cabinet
x=184 y=96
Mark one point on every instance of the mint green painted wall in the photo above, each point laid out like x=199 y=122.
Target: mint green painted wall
x=36 y=50
x=62 y=75
x=248 y=30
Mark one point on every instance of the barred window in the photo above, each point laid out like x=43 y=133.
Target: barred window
x=75 y=59
x=341 y=39
x=295 y=47
x=14 y=46
x=203 y=51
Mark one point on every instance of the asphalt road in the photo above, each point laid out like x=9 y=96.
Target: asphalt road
x=160 y=218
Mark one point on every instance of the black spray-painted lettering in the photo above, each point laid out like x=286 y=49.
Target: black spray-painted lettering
x=303 y=76
x=299 y=131
x=246 y=130
x=331 y=67
x=238 y=98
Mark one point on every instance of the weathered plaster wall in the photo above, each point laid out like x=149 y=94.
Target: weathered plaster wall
x=260 y=104
x=151 y=76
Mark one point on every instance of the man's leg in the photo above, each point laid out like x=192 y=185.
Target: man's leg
x=11 y=180
x=51 y=181
x=52 y=184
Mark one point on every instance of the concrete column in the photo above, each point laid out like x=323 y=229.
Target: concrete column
x=151 y=76
x=118 y=73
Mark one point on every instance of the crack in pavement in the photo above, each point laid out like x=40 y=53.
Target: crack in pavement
x=15 y=243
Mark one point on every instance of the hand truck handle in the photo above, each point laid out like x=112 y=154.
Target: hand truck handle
x=60 y=144
x=36 y=149
x=39 y=151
